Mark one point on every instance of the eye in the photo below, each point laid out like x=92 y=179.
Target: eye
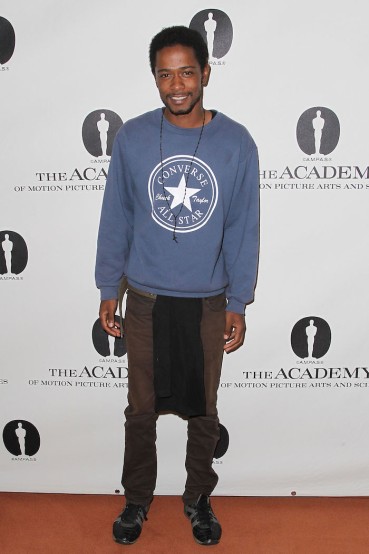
x=188 y=73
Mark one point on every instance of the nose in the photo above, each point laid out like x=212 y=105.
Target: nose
x=177 y=82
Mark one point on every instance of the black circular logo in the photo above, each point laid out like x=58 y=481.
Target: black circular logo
x=318 y=131
x=7 y=40
x=21 y=438
x=105 y=344
x=98 y=132
x=311 y=338
x=223 y=442
x=216 y=29
x=13 y=253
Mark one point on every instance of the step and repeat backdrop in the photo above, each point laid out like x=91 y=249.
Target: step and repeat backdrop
x=293 y=401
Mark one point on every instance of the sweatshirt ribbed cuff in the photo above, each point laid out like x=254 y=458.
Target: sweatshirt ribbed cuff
x=108 y=293
x=235 y=306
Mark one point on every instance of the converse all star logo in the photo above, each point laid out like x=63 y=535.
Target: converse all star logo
x=182 y=187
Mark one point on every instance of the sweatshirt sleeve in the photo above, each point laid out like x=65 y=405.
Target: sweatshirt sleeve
x=241 y=233
x=116 y=223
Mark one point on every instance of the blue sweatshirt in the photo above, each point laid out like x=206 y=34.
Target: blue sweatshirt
x=211 y=199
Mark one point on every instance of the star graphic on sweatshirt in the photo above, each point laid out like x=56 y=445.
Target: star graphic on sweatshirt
x=181 y=194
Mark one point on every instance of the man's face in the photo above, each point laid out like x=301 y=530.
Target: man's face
x=179 y=79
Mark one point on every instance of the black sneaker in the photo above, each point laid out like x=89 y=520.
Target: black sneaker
x=206 y=528
x=128 y=525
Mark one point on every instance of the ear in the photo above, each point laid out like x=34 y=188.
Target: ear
x=205 y=75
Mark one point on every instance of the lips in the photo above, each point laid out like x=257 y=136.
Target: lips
x=178 y=98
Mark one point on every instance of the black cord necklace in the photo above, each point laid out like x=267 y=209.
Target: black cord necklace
x=188 y=174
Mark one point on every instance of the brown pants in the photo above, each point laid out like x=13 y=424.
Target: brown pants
x=140 y=466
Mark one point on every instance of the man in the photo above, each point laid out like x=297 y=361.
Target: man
x=180 y=220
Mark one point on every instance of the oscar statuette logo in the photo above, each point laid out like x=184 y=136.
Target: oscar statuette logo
x=13 y=255
x=216 y=29
x=318 y=131
x=223 y=442
x=311 y=338
x=21 y=439
x=7 y=41
x=105 y=344
x=98 y=132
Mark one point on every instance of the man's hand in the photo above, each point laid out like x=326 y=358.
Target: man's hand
x=234 y=333
x=107 y=319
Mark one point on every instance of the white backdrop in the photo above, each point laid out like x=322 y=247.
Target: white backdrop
x=296 y=419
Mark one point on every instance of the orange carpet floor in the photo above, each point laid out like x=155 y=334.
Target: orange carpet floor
x=81 y=524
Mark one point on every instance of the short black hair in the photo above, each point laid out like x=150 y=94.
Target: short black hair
x=179 y=34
